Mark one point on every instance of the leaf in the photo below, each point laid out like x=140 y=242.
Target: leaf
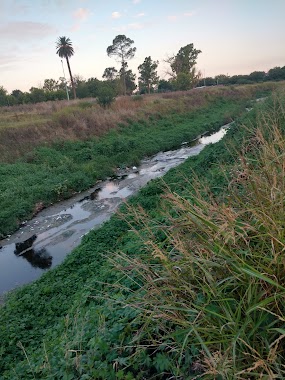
x=264 y=303
x=255 y=273
x=161 y=362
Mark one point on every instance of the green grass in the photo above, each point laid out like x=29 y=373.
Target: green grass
x=20 y=120
x=72 y=325
x=50 y=173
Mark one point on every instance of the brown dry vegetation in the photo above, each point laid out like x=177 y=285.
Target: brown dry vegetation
x=24 y=127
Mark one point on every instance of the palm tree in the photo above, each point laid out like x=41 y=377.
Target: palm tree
x=65 y=50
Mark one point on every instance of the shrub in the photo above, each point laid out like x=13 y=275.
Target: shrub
x=106 y=97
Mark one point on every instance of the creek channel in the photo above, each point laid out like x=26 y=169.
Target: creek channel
x=44 y=241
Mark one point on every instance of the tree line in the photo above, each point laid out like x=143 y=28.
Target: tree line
x=182 y=75
x=274 y=74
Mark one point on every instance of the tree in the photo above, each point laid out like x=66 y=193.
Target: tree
x=277 y=73
x=61 y=83
x=3 y=96
x=184 y=60
x=208 y=81
x=239 y=79
x=19 y=96
x=182 y=82
x=148 y=74
x=37 y=95
x=123 y=50
x=78 y=79
x=186 y=81
x=222 y=79
x=65 y=50
x=93 y=85
x=110 y=73
x=50 y=85
x=257 y=76
x=164 y=86
x=128 y=79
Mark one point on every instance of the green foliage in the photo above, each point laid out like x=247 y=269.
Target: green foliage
x=70 y=323
x=3 y=96
x=127 y=79
x=184 y=60
x=64 y=47
x=37 y=95
x=137 y=98
x=39 y=178
x=65 y=50
x=164 y=86
x=148 y=74
x=106 y=96
x=218 y=283
x=110 y=73
x=123 y=50
x=85 y=105
x=183 y=82
x=277 y=73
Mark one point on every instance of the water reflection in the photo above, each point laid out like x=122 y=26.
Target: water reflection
x=37 y=258
x=58 y=230
x=25 y=245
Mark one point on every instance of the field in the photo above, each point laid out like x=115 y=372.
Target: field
x=186 y=281
x=88 y=143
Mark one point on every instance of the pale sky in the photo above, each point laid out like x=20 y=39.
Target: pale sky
x=235 y=36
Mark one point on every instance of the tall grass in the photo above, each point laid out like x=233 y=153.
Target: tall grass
x=215 y=276
x=24 y=127
x=48 y=174
x=197 y=290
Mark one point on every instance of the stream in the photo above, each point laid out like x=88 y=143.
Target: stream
x=44 y=241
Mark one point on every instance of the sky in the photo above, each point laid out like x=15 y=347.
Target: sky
x=235 y=36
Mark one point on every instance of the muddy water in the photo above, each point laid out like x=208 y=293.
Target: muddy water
x=55 y=231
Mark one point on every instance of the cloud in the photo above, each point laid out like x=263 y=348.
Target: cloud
x=116 y=15
x=25 y=30
x=172 y=18
x=136 y=1
x=8 y=59
x=189 y=14
x=140 y=14
x=75 y=28
x=81 y=14
x=15 y=56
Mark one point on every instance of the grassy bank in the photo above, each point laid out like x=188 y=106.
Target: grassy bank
x=25 y=127
x=53 y=172
x=196 y=284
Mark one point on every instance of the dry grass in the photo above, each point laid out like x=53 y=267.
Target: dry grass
x=25 y=126
x=220 y=275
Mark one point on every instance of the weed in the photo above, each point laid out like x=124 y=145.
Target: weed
x=53 y=172
x=189 y=284
x=217 y=273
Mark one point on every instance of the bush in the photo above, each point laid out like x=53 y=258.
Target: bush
x=106 y=97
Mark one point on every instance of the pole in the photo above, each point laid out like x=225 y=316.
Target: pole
x=67 y=94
